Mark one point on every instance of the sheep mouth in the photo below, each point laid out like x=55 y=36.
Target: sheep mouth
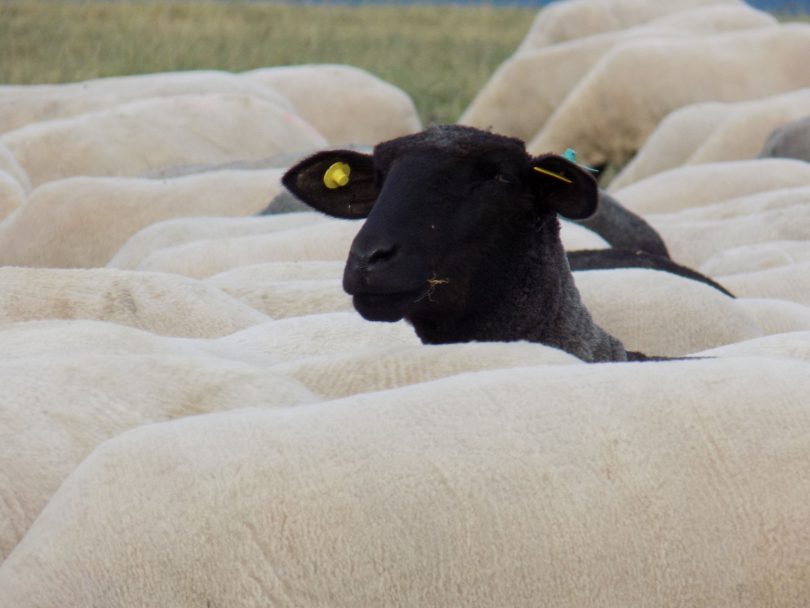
x=388 y=307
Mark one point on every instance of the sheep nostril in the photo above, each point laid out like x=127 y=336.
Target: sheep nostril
x=380 y=254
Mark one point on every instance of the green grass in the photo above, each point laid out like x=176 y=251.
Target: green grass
x=440 y=55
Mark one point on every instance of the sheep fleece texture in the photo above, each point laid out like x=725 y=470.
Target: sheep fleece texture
x=498 y=489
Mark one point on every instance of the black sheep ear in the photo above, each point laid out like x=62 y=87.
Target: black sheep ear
x=564 y=186
x=339 y=183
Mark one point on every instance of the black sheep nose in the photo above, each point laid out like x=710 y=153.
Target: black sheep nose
x=370 y=265
x=371 y=254
x=379 y=255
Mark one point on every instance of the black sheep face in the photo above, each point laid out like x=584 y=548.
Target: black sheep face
x=446 y=209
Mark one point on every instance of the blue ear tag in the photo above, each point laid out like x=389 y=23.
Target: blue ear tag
x=571 y=155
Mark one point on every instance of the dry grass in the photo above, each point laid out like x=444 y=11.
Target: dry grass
x=440 y=55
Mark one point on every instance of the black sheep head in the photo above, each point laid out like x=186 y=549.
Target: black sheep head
x=447 y=211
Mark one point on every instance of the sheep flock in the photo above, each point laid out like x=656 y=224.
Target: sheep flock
x=192 y=414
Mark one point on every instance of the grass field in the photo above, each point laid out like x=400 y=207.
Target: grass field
x=440 y=55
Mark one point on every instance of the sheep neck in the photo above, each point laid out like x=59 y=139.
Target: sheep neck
x=532 y=297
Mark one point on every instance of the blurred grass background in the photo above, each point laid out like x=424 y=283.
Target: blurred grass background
x=440 y=55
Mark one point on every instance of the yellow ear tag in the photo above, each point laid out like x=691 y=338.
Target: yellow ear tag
x=555 y=175
x=337 y=176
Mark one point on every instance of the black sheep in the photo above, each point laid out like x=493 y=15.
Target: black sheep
x=462 y=237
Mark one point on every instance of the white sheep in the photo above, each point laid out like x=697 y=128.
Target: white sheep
x=292 y=298
x=135 y=138
x=383 y=367
x=662 y=313
x=170 y=233
x=21 y=105
x=562 y=21
x=615 y=107
x=173 y=378
x=315 y=335
x=775 y=316
x=346 y=104
x=702 y=185
x=526 y=89
x=306 y=270
x=9 y=164
x=159 y=303
x=57 y=409
x=694 y=242
x=788 y=282
x=12 y=195
x=713 y=132
x=327 y=241
x=794 y=345
x=638 y=485
x=758 y=256
x=84 y=221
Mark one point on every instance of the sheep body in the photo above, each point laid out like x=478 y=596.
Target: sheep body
x=180 y=231
x=526 y=90
x=701 y=185
x=775 y=316
x=12 y=195
x=514 y=484
x=386 y=111
x=693 y=242
x=384 y=367
x=203 y=258
x=27 y=104
x=760 y=256
x=714 y=132
x=84 y=221
x=641 y=307
x=648 y=76
x=564 y=21
x=316 y=335
x=788 y=282
x=142 y=136
x=292 y=298
x=9 y=164
x=171 y=306
x=794 y=345
x=277 y=271
x=56 y=409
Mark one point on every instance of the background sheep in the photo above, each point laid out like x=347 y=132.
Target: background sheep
x=563 y=21
x=12 y=196
x=701 y=185
x=527 y=89
x=386 y=110
x=170 y=233
x=648 y=76
x=23 y=105
x=758 y=256
x=203 y=258
x=713 y=132
x=84 y=221
x=794 y=345
x=162 y=304
x=790 y=140
x=142 y=136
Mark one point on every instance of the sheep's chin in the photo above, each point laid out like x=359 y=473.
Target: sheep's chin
x=389 y=307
